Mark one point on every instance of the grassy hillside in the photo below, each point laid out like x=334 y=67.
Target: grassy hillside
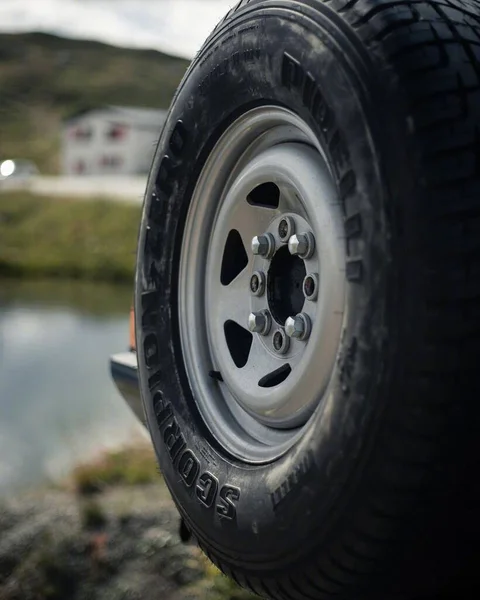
x=44 y=78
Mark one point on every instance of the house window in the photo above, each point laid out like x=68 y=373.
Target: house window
x=111 y=161
x=116 y=132
x=79 y=167
x=82 y=133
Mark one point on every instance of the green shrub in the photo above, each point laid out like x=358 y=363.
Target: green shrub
x=129 y=466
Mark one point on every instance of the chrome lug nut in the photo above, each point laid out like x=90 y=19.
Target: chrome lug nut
x=281 y=342
x=263 y=245
x=286 y=228
x=302 y=244
x=298 y=327
x=260 y=322
x=310 y=286
x=257 y=283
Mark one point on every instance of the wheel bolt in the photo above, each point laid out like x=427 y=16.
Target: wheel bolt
x=263 y=245
x=281 y=343
x=286 y=228
x=260 y=322
x=257 y=283
x=310 y=286
x=298 y=327
x=302 y=244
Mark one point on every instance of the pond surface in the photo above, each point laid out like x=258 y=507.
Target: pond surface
x=58 y=404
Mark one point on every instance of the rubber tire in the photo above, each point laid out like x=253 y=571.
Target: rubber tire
x=379 y=499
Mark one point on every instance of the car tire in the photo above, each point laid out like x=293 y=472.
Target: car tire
x=350 y=471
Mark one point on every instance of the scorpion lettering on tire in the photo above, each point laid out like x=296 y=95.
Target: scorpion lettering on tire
x=207 y=489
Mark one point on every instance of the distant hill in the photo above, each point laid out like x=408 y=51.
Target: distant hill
x=44 y=78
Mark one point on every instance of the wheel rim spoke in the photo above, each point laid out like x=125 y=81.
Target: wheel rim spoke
x=260 y=362
x=232 y=300
x=250 y=221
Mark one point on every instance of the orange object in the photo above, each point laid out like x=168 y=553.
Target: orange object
x=132 y=329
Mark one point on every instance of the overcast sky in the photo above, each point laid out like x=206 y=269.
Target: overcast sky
x=175 y=26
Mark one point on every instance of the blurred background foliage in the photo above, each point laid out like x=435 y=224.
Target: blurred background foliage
x=67 y=238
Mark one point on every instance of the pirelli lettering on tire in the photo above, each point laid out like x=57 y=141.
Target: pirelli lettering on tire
x=208 y=491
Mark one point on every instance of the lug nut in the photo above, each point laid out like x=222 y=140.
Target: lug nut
x=257 y=283
x=302 y=244
x=310 y=286
x=263 y=245
x=298 y=327
x=286 y=228
x=260 y=322
x=281 y=343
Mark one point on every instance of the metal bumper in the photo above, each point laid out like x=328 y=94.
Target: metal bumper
x=125 y=375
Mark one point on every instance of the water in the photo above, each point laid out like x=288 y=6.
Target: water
x=58 y=405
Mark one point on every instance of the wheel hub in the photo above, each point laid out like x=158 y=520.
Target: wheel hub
x=285 y=285
x=285 y=272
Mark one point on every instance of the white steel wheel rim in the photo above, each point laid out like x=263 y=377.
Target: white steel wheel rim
x=253 y=414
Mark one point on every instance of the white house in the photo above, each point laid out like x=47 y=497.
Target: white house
x=111 y=140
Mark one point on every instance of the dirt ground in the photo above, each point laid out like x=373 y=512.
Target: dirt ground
x=119 y=544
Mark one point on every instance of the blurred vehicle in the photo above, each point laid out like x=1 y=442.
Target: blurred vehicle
x=17 y=172
x=307 y=299
x=124 y=372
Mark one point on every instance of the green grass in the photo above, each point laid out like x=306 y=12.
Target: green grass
x=129 y=466
x=215 y=586
x=66 y=238
x=45 y=78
